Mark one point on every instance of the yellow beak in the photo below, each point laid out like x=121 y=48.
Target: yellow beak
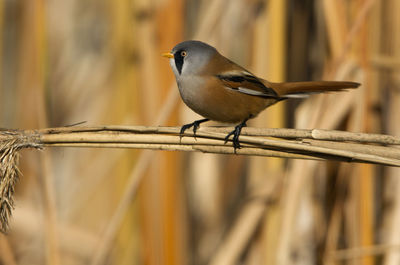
x=168 y=55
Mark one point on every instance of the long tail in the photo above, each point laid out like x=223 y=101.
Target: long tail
x=301 y=89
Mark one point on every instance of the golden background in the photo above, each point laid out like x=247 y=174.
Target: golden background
x=68 y=61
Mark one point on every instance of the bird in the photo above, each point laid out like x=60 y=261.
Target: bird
x=220 y=90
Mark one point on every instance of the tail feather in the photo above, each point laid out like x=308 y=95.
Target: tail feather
x=300 y=89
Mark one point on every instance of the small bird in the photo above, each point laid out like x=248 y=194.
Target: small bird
x=220 y=90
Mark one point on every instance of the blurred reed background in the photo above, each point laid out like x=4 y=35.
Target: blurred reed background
x=64 y=62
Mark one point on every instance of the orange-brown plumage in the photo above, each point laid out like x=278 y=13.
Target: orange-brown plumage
x=220 y=90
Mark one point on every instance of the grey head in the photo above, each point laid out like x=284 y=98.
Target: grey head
x=190 y=57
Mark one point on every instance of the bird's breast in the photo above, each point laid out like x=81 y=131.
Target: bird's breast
x=191 y=89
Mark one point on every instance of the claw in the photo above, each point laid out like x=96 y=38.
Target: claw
x=236 y=133
x=184 y=128
x=195 y=125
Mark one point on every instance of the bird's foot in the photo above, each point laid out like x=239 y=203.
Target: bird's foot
x=195 y=125
x=236 y=133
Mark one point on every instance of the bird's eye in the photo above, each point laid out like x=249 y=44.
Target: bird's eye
x=183 y=53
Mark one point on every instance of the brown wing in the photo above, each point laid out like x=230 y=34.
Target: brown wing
x=245 y=82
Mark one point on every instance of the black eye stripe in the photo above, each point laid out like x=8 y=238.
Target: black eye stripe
x=179 y=60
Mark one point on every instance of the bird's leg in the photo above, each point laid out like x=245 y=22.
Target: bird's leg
x=195 y=126
x=236 y=133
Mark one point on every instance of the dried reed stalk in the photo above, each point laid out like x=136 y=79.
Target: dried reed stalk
x=292 y=143
x=10 y=143
x=389 y=49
